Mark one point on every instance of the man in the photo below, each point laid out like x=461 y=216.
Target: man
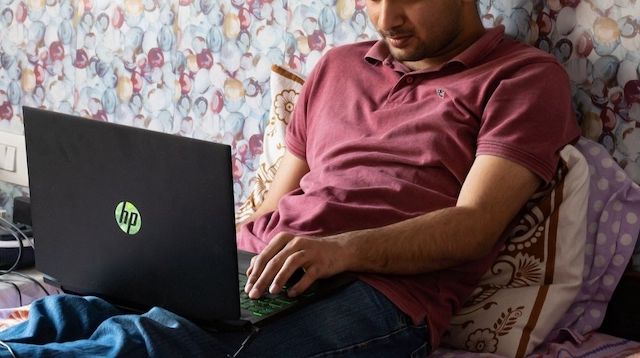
x=407 y=160
x=395 y=153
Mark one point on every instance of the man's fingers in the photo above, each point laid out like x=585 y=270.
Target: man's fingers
x=291 y=265
x=250 y=268
x=268 y=273
x=305 y=282
x=280 y=259
x=259 y=262
x=249 y=284
x=263 y=281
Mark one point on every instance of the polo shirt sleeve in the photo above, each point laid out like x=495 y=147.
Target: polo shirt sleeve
x=529 y=118
x=296 y=134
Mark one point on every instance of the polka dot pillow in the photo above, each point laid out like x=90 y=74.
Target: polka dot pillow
x=613 y=218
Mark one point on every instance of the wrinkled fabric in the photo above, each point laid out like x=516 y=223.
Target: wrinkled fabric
x=356 y=321
x=66 y=325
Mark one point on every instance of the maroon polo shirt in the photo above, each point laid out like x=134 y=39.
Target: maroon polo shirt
x=386 y=144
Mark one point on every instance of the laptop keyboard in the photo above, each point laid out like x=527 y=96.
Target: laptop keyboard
x=265 y=305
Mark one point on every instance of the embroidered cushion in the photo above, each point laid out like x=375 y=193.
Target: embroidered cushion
x=285 y=88
x=537 y=273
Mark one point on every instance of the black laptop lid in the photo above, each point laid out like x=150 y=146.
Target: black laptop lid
x=138 y=217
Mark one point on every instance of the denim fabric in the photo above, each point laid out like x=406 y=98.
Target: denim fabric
x=355 y=322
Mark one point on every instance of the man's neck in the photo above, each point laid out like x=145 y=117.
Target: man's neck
x=456 y=47
x=469 y=33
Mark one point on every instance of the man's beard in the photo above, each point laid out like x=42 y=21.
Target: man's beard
x=410 y=54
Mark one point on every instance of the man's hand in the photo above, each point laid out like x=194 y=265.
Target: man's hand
x=433 y=241
x=318 y=257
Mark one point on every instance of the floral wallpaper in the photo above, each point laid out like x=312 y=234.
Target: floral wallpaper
x=200 y=68
x=194 y=68
x=598 y=42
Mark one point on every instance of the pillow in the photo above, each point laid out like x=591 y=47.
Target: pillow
x=285 y=87
x=614 y=223
x=537 y=274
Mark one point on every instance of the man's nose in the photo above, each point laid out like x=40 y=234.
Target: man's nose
x=389 y=16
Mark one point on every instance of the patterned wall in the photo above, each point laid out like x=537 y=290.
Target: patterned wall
x=200 y=68
x=598 y=42
x=193 y=68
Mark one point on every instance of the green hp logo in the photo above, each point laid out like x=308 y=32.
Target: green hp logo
x=128 y=218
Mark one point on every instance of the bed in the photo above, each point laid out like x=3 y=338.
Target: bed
x=205 y=70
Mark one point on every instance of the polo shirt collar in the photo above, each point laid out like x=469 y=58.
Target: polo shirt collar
x=379 y=52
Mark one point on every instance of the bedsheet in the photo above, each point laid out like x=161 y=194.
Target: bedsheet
x=74 y=326
x=12 y=316
x=592 y=345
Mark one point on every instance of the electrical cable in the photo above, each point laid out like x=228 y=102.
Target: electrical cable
x=13 y=354
x=14 y=230
x=14 y=286
x=14 y=227
x=32 y=280
x=254 y=331
x=20 y=248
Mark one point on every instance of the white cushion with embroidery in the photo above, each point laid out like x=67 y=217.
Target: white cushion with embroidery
x=285 y=87
x=537 y=274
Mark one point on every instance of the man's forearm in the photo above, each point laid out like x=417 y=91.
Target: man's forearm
x=450 y=236
x=430 y=242
x=433 y=241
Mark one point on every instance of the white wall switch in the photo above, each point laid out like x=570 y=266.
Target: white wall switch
x=8 y=157
x=13 y=159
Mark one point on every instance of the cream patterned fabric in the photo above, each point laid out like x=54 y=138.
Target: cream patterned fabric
x=537 y=274
x=285 y=88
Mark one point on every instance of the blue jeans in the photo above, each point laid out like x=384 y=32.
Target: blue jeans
x=357 y=321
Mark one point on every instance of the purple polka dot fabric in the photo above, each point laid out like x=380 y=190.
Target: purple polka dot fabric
x=613 y=225
x=613 y=220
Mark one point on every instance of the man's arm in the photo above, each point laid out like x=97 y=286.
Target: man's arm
x=288 y=175
x=491 y=196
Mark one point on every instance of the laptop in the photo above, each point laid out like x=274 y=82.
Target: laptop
x=141 y=219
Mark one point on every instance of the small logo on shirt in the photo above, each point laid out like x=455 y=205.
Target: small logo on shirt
x=440 y=92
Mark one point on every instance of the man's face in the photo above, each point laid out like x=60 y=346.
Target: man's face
x=415 y=30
